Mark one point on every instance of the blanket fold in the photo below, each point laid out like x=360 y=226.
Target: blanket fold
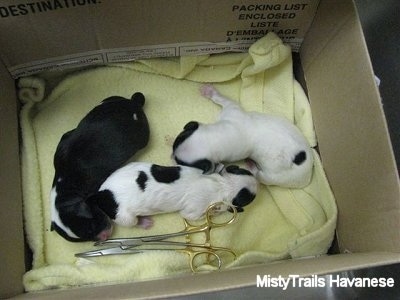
x=279 y=224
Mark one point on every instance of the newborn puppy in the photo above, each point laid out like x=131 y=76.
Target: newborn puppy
x=103 y=141
x=143 y=189
x=276 y=151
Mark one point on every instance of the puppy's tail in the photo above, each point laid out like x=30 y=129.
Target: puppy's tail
x=138 y=97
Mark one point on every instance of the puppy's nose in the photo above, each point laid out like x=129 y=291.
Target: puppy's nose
x=104 y=235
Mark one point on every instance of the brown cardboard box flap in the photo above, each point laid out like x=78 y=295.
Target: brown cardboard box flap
x=351 y=130
x=62 y=34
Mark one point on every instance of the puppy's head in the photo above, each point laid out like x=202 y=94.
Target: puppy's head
x=77 y=221
x=185 y=150
x=243 y=186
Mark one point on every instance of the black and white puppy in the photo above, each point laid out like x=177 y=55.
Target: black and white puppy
x=276 y=151
x=106 y=138
x=142 y=189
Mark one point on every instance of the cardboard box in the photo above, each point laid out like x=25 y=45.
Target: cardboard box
x=351 y=128
x=99 y=32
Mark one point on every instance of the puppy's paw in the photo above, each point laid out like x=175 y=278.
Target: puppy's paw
x=145 y=222
x=208 y=91
x=126 y=220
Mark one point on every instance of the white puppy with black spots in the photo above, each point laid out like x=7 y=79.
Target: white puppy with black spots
x=139 y=189
x=276 y=151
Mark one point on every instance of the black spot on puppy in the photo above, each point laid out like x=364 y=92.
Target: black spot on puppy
x=243 y=198
x=192 y=125
x=141 y=180
x=203 y=164
x=233 y=169
x=300 y=158
x=188 y=129
x=165 y=174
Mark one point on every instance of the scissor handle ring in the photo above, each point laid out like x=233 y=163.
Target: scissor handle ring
x=194 y=254
x=209 y=216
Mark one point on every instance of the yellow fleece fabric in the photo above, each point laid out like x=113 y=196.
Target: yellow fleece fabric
x=279 y=224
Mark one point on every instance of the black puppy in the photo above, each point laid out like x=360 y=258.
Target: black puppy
x=107 y=137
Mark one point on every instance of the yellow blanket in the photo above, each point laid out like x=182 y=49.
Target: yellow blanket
x=279 y=224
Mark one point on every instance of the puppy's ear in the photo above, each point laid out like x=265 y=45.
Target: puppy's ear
x=84 y=211
x=233 y=169
x=105 y=201
x=192 y=125
x=138 y=98
x=206 y=165
x=188 y=130
x=243 y=198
